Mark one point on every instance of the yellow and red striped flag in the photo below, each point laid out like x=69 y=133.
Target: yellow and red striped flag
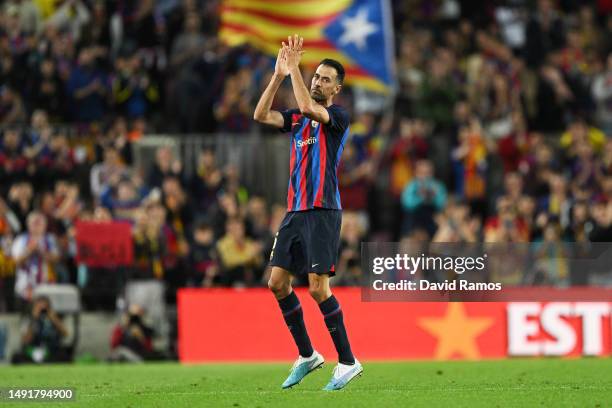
x=357 y=33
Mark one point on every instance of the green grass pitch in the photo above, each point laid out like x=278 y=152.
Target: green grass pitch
x=504 y=383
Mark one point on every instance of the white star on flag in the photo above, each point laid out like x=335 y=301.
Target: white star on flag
x=357 y=29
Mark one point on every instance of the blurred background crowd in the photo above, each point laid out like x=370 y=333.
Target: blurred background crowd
x=500 y=130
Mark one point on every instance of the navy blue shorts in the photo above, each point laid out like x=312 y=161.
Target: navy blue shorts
x=307 y=242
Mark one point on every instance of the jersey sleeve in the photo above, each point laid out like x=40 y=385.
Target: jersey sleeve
x=287 y=119
x=338 y=119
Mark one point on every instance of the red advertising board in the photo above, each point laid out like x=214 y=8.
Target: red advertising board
x=246 y=325
x=104 y=244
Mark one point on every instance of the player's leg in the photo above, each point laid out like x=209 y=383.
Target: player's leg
x=287 y=255
x=318 y=286
x=308 y=360
x=280 y=285
x=323 y=239
x=348 y=366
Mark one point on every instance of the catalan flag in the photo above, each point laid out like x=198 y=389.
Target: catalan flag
x=358 y=33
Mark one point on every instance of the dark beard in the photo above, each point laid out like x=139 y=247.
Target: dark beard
x=318 y=97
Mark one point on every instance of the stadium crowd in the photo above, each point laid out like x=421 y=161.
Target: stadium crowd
x=500 y=130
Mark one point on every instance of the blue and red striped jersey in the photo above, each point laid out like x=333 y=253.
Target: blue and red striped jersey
x=315 y=153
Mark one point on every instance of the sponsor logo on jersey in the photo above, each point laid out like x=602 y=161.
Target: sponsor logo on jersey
x=309 y=141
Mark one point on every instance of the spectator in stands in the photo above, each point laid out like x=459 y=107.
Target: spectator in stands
x=470 y=162
x=42 y=340
x=9 y=223
x=348 y=270
x=258 y=220
x=606 y=159
x=553 y=99
x=234 y=110
x=557 y=205
x=207 y=180
x=456 y=224
x=232 y=185
x=117 y=137
x=602 y=94
x=513 y=188
x=88 y=88
x=540 y=163
x=177 y=229
x=551 y=258
x=14 y=163
x=61 y=158
x=203 y=256
x=20 y=201
x=439 y=91
x=526 y=210
x=354 y=177
x=187 y=49
x=108 y=173
x=239 y=256
x=70 y=17
x=601 y=212
x=38 y=149
x=586 y=169
x=35 y=253
x=422 y=198
x=134 y=91
x=149 y=243
x=545 y=33
x=580 y=132
x=514 y=144
x=581 y=223
x=506 y=226
x=409 y=146
x=30 y=19
x=48 y=91
x=165 y=165
x=123 y=200
x=12 y=109
x=9 y=227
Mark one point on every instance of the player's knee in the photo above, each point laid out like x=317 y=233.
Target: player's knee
x=279 y=286
x=318 y=292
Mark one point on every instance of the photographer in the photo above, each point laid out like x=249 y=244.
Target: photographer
x=132 y=340
x=41 y=341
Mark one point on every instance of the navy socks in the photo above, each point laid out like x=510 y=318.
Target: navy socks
x=332 y=314
x=294 y=317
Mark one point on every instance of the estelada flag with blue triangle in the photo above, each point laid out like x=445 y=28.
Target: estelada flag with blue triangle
x=357 y=33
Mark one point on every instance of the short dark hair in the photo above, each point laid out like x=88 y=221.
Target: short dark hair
x=337 y=66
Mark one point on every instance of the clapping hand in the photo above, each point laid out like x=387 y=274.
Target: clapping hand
x=281 y=63
x=293 y=51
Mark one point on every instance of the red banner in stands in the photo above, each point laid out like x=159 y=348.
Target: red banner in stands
x=104 y=244
x=247 y=325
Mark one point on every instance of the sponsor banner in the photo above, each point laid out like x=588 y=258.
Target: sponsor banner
x=486 y=272
x=104 y=244
x=247 y=325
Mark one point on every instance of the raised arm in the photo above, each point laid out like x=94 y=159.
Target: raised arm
x=263 y=113
x=306 y=104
